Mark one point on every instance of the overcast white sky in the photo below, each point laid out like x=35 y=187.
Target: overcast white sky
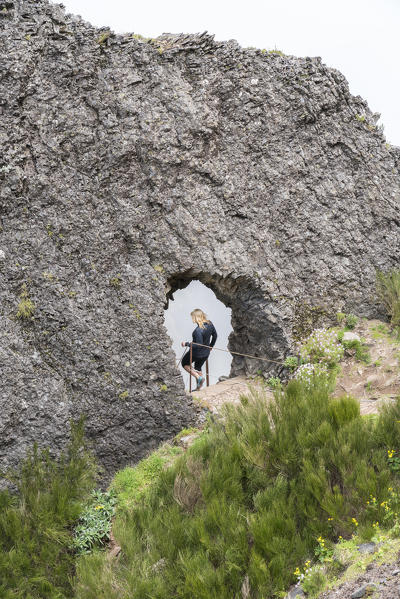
x=359 y=37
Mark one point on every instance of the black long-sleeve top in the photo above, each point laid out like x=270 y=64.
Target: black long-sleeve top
x=206 y=336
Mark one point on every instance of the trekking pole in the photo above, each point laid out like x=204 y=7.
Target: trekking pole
x=190 y=369
x=179 y=360
x=207 y=374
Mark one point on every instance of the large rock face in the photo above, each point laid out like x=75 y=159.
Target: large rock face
x=129 y=167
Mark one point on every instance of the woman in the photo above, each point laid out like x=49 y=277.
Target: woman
x=205 y=334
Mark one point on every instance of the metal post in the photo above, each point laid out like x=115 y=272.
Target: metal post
x=207 y=374
x=190 y=370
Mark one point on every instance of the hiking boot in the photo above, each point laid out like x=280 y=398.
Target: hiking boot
x=200 y=382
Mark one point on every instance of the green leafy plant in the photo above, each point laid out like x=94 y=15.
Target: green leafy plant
x=291 y=362
x=93 y=529
x=103 y=37
x=276 y=51
x=323 y=552
x=361 y=350
x=388 y=289
x=311 y=374
x=274 y=382
x=351 y=321
x=314 y=583
x=394 y=460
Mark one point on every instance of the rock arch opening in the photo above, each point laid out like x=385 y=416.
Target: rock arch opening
x=179 y=325
x=256 y=319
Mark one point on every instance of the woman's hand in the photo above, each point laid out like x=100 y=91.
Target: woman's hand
x=183 y=343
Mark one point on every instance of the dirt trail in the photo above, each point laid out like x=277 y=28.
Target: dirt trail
x=229 y=391
x=379 y=380
x=372 y=383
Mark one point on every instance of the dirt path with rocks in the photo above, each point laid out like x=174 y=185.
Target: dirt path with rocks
x=229 y=391
x=380 y=379
x=372 y=384
x=377 y=582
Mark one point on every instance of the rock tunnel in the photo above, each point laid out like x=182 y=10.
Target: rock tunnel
x=257 y=331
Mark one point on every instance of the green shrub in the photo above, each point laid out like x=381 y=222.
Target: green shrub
x=250 y=499
x=343 y=410
x=103 y=37
x=388 y=288
x=36 y=561
x=291 y=362
x=321 y=346
x=361 y=351
x=115 y=281
x=351 y=321
x=340 y=317
x=274 y=382
x=309 y=374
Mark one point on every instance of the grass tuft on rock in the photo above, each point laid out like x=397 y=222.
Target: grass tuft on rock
x=247 y=503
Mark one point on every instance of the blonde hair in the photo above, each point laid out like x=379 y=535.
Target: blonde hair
x=199 y=317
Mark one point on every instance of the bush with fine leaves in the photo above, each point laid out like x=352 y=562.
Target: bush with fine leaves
x=248 y=501
x=36 y=560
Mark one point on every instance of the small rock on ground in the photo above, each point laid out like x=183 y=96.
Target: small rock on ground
x=349 y=336
x=367 y=548
x=297 y=591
